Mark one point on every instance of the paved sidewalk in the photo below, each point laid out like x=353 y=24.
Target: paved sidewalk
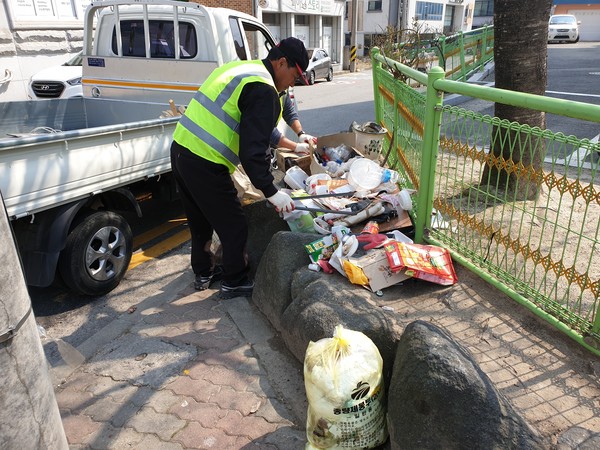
x=190 y=372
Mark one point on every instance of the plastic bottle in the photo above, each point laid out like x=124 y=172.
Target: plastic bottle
x=339 y=154
x=367 y=174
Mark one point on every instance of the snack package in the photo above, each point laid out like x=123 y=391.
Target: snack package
x=425 y=262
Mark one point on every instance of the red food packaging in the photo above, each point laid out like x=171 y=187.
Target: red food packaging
x=394 y=256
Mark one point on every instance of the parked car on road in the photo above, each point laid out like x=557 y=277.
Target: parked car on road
x=62 y=81
x=319 y=65
x=563 y=27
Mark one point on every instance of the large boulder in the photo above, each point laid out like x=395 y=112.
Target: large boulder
x=321 y=301
x=284 y=255
x=440 y=398
x=263 y=223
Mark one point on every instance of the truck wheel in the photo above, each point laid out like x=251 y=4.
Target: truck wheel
x=97 y=254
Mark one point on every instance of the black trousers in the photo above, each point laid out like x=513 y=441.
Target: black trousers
x=210 y=202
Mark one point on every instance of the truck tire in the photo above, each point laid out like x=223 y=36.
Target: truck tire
x=97 y=253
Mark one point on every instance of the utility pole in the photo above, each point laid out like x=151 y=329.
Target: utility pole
x=29 y=414
x=353 y=35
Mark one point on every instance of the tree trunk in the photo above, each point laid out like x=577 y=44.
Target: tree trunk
x=28 y=410
x=520 y=56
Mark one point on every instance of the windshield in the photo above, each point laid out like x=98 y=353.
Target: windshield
x=562 y=19
x=75 y=60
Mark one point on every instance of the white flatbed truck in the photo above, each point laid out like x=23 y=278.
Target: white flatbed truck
x=70 y=168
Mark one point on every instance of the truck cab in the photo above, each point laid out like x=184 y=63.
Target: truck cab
x=156 y=51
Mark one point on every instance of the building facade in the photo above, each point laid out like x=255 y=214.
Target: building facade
x=432 y=17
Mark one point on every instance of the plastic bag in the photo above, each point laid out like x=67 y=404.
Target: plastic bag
x=344 y=386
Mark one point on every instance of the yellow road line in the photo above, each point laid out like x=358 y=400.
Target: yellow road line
x=156 y=232
x=160 y=248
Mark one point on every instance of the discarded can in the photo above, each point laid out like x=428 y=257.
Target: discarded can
x=314 y=267
x=371 y=227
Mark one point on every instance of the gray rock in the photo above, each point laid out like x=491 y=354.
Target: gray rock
x=284 y=255
x=440 y=398
x=263 y=223
x=321 y=301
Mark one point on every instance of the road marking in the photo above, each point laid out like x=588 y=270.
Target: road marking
x=162 y=247
x=574 y=94
x=577 y=158
x=156 y=232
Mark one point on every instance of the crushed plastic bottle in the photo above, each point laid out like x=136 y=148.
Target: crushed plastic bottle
x=367 y=174
x=339 y=154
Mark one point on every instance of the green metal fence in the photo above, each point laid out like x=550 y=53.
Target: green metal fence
x=537 y=237
x=462 y=54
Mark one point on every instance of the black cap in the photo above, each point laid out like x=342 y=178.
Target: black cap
x=293 y=49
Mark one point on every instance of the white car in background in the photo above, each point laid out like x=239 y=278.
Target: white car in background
x=62 y=81
x=563 y=27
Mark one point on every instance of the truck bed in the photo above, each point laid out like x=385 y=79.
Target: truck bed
x=58 y=151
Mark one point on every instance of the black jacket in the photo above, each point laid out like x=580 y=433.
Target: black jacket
x=260 y=107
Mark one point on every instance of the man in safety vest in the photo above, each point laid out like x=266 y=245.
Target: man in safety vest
x=230 y=121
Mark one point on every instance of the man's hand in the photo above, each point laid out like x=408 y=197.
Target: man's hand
x=310 y=140
x=302 y=148
x=282 y=202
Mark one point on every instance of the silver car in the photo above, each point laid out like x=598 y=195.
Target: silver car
x=563 y=27
x=319 y=65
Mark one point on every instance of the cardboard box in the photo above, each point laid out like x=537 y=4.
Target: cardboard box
x=331 y=140
x=376 y=268
x=287 y=159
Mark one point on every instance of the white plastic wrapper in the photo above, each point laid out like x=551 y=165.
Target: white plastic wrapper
x=344 y=386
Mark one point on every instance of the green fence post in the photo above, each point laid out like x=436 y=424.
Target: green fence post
x=375 y=64
x=441 y=50
x=483 y=48
x=431 y=140
x=463 y=69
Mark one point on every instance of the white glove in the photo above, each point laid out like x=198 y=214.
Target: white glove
x=308 y=139
x=302 y=148
x=282 y=202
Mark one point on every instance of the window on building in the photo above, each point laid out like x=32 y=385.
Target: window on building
x=271 y=19
x=301 y=19
x=327 y=21
x=429 y=11
x=483 y=8
x=374 y=5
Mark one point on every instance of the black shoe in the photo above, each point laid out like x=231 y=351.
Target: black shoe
x=202 y=283
x=243 y=289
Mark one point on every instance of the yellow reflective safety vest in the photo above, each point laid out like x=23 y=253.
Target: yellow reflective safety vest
x=210 y=126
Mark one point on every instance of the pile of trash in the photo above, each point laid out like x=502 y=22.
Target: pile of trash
x=361 y=215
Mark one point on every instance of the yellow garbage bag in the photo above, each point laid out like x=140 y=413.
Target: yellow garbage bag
x=345 y=391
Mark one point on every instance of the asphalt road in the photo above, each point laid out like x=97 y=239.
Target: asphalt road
x=325 y=108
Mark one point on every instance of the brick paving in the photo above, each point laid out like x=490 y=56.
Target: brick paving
x=182 y=375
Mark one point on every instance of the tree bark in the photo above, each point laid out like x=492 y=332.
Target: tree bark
x=520 y=57
x=29 y=415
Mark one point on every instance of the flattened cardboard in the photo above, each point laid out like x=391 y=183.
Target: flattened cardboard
x=287 y=159
x=376 y=268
